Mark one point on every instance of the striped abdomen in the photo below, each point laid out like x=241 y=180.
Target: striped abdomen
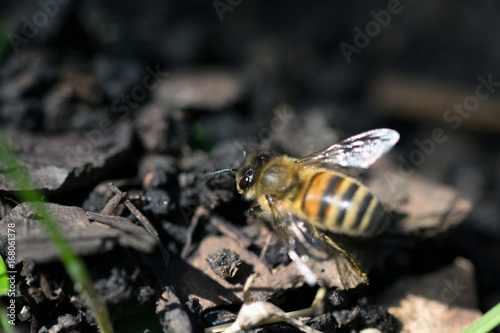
x=341 y=204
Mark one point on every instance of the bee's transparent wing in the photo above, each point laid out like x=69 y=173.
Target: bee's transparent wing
x=306 y=243
x=300 y=235
x=357 y=152
x=295 y=233
x=348 y=269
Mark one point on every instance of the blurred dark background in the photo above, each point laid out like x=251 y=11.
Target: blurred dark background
x=344 y=66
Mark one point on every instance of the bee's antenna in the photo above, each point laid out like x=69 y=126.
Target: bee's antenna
x=219 y=171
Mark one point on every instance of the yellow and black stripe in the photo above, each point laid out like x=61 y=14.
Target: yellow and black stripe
x=341 y=204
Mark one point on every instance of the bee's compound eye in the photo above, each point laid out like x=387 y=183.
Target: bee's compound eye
x=243 y=183
x=246 y=179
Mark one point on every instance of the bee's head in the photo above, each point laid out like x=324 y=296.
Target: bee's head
x=245 y=175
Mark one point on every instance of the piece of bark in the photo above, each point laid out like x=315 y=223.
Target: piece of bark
x=86 y=233
x=420 y=207
x=210 y=89
x=441 y=301
x=65 y=161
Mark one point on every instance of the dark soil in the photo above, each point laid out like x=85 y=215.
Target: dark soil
x=153 y=96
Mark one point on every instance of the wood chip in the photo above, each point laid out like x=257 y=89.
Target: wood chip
x=87 y=233
x=68 y=160
x=210 y=89
x=422 y=207
x=410 y=97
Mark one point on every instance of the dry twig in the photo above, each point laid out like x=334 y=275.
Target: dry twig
x=261 y=313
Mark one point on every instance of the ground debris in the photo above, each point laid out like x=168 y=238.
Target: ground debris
x=133 y=281
x=42 y=91
x=210 y=89
x=65 y=323
x=57 y=162
x=224 y=263
x=325 y=323
x=126 y=287
x=426 y=99
x=199 y=188
x=420 y=207
x=441 y=301
x=252 y=314
x=363 y=317
x=162 y=130
x=156 y=171
x=172 y=316
x=86 y=233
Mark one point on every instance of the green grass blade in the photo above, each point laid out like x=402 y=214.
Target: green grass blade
x=487 y=322
x=73 y=264
x=4 y=39
x=200 y=138
x=4 y=283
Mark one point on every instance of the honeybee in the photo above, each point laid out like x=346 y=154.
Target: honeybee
x=306 y=196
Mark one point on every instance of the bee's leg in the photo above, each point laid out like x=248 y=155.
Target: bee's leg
x=343 y=252
x=265 y=247
x=308 y=274
x=255 y=210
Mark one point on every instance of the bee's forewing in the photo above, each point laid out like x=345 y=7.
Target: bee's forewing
x=357 y=152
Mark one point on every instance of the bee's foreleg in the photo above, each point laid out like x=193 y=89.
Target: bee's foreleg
x=255 y=210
